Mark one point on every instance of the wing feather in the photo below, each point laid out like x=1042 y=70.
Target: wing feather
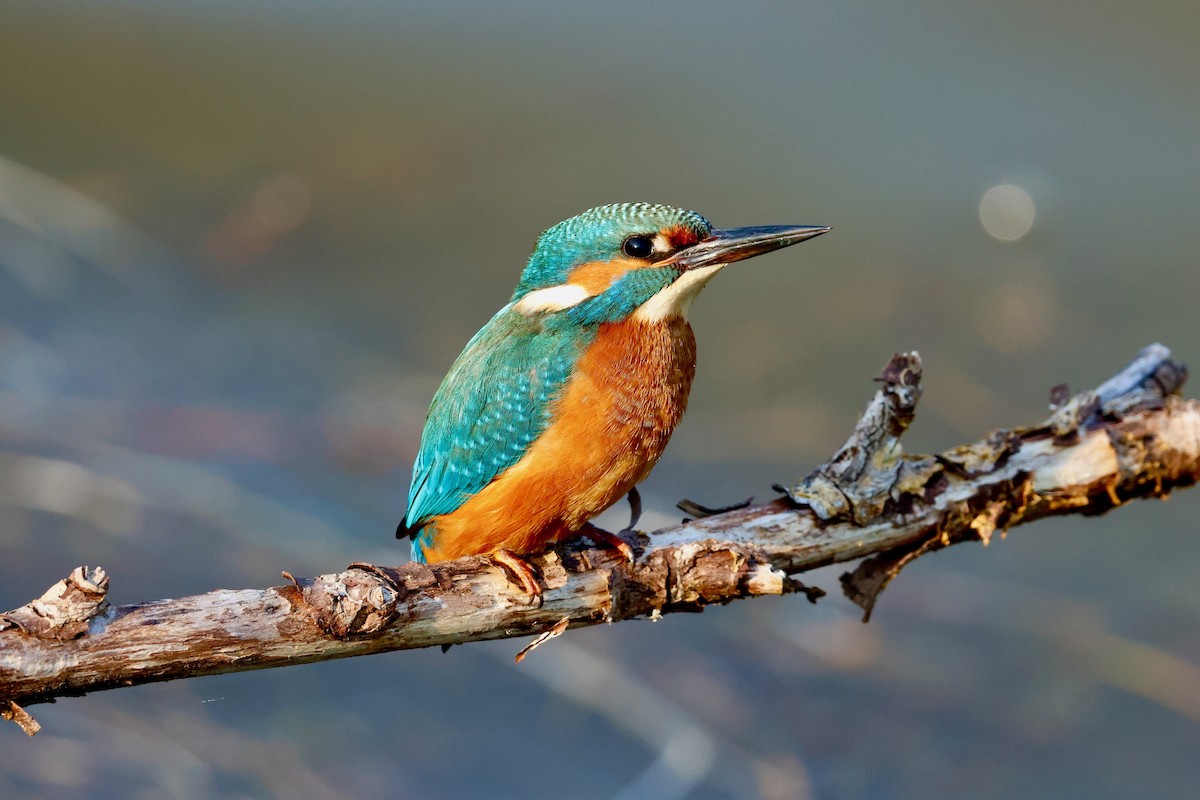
x=495 y=401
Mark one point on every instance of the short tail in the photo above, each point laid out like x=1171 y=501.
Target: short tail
x=414 y=532
x=406 y=531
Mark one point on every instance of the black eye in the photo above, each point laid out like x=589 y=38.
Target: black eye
x=638 y=247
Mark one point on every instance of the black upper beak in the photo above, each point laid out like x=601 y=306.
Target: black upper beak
x=734 y=244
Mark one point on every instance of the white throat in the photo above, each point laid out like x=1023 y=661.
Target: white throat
x=676 y=299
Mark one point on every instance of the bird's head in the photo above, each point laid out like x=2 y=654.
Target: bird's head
x=635 y=259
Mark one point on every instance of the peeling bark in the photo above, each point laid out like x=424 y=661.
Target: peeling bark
x=1129 y=438
x=66 y=609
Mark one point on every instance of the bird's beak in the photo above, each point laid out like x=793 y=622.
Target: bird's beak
x=734 y=244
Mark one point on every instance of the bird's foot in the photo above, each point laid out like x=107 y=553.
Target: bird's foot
x=613 y=540
x=519 y=572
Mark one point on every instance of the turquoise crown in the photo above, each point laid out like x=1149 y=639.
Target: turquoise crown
x=597 y=235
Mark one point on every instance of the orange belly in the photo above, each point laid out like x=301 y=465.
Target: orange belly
x=610 y=425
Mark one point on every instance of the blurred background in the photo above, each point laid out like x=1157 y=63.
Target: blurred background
x=241 y=242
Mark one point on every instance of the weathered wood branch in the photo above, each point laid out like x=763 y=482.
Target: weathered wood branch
x=1129 y=438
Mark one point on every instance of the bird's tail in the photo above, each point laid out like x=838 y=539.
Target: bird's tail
x=419 y=537
x=406 y=531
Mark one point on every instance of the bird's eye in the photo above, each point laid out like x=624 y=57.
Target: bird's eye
x=638 y=247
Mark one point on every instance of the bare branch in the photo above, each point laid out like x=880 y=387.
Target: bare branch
x=1127 y=439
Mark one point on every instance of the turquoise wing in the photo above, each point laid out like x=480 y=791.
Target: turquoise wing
x=495 y=401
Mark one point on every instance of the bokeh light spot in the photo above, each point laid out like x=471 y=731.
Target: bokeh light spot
x=1006 y=212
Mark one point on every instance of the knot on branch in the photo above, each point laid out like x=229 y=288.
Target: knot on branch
x=857 y=482
x=363 y=600
x=65 y=610
x=701 y=574
x=692 y=575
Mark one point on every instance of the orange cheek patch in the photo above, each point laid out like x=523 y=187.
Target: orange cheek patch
x=597 y=276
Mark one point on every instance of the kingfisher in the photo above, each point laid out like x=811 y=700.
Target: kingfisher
x=566 y=398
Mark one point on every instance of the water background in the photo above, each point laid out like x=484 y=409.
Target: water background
x=240 y=242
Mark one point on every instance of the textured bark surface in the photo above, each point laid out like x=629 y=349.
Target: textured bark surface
x=1129 y=438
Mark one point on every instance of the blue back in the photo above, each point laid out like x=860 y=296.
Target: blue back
x=493 y=404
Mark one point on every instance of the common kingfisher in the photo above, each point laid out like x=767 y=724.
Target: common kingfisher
x=565 y=400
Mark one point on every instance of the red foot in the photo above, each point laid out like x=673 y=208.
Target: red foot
x=519 y=573
x=606 y=539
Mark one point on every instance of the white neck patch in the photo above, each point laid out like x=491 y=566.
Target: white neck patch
x=552 y=298
x=676 y=299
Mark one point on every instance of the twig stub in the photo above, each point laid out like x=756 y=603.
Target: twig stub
x=14 y=713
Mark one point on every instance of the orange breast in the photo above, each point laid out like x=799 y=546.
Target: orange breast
x=611 y=424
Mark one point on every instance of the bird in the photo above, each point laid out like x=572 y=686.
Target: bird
x=565 y=400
